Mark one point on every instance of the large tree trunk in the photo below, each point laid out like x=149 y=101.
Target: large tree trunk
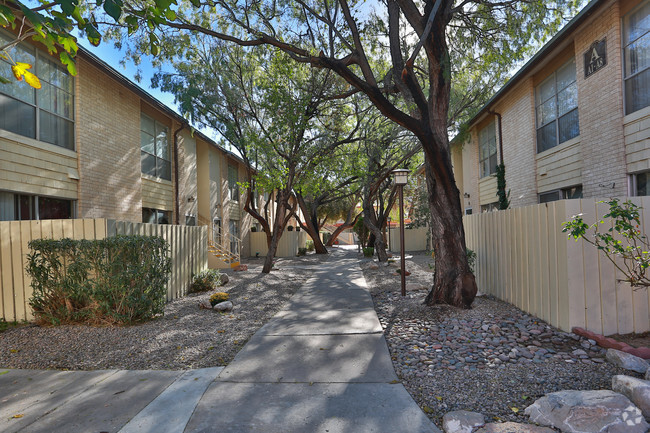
x=279 y=223
x=454 y=283
x=370 y=221
x=349 y=222
x=311 y=225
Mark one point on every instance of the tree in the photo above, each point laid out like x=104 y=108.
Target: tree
x=279 y=116
x=412 y=86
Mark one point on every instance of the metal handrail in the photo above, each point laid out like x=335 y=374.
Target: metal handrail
x=224 y=241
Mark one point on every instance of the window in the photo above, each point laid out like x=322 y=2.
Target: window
x=233 y=226
x=561 y=194
x=556 y=104
x=34 y=207
x=487 y=141
x=154 y=146
x=190 y=220
x=468 y=211
x=636 y=54
x=44 y=114
x=156 y=216
x=640 y=184
x=490 y=207
x=233 y=187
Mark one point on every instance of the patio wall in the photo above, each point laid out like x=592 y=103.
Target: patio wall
x=524 y=258
x=287 y=247
x=188 y=249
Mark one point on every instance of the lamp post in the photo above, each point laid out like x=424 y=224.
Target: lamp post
x=401 y=178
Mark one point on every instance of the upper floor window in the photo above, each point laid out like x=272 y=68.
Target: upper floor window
x=561 y=194
x=636 y=54
x=487 y=141
x=154 y=146
x=233 y=186
x=45 y=114
x=556 y=104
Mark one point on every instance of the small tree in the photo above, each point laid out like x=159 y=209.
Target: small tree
x=623 y=240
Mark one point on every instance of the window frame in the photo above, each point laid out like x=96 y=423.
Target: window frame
x=562 y=194
x=35 y=205
x=156 y=125
x=557 y=117
x=491 y=136
x=633 y=184
x=158 y=213
x=41 y=57
x=624 y=46
x=233 y=189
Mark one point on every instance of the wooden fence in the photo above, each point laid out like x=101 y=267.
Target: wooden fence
x=524 y=258
x=287 y=246
x=188 y=250
x=414 y=239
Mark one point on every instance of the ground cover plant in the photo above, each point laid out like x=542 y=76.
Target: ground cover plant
x=205 y=280
x=114 y=280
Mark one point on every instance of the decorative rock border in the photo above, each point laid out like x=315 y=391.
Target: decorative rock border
x=610 y=343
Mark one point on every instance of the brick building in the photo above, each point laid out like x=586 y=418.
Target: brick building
x=573 y=122
x=98 y=146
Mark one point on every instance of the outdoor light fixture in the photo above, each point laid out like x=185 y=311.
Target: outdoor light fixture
x=401 y=178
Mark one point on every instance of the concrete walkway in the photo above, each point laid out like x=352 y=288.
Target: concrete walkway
x=320 y=365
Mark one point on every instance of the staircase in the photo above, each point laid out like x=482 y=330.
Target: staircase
x=225 y=247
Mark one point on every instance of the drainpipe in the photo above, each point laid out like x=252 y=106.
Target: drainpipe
x=176 y=192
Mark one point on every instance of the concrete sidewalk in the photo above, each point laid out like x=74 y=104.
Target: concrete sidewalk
x=320 y=365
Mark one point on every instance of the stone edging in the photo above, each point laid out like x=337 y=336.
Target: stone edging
x=610 y=343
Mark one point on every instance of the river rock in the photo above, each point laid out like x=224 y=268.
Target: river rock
x=462 y=421
x=223 y=279
x=627 y=361
x=513 y=427
x=637 y=390
x=205 y=305
x=223 y=306
x=601 y=411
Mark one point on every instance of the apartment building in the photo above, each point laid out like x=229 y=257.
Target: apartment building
x=98 y=146
x=573 y=122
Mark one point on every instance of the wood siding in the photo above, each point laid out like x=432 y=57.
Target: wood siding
x=559 y=167
x=637 y=141
x=157 y=194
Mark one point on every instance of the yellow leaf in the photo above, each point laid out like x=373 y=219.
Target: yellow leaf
x=32 y=80
x=18 y=415
x=514 y=409
x=394 y=381
x=427 y=409
x=438 y=398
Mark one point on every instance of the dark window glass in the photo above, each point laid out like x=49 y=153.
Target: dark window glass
x=549 y=196
x=574 y=192
x=148 y=163
x=25 y=207
x=54 y=208
x=17 y=117
x=56 y=130
x=636 y=54
x=164 y=169
x=546 y=138
x=569 y=126
x=190 y=220
x=643 y=184
x=148 y=215
x=164 y=217
x=637 y=92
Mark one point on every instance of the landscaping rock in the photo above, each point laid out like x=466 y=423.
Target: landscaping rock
x=627 y=361
x=513 y=427
x=223 y=306
x=637 y=390
x=373 y=267
x=412 y=287
x=462 y=421
x=205 y=305
x=223 y=279
x=588 y=411
x=647 y=374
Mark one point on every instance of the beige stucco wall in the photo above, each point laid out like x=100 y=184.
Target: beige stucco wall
x=188 y=176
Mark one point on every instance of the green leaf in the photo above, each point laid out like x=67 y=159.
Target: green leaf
x=170 y=15
x=114 y=8
x=94 y=37
x=196 y=3
x=4 y=372
x=67 y=60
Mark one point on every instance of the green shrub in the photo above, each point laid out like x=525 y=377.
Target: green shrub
x=218 y=297
x=471 y=258
x=368 y=251
x=310 y=245
x=302 y=251
x=205 y=280
x=114 y=280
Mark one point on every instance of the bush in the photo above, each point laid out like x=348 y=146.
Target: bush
x=310 y=245
x=368 y=251
x=205 y=280
x=471 y=259
x=114 y=280
x=302 y=251
x=218 y=297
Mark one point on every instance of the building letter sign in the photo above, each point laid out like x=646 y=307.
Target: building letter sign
x=595 y=57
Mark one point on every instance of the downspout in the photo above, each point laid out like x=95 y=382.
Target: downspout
x=177 y=210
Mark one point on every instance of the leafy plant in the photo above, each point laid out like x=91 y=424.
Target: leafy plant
x=205 y=280
x=218 y=297
x=622 y=240
x=362 y=232
x=114 y=280
x=471 y=259
x=302 y=251
x=309 y=245
x=504 y=197
x=368 y=251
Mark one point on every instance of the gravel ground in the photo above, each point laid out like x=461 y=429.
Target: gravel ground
x=493 y=359
x=184 y=337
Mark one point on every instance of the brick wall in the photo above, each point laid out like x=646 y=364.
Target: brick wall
x=108 y=142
